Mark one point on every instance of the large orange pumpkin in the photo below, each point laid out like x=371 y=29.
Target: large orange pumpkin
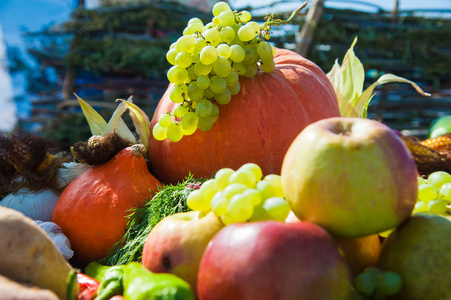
x=92 y=209
x=258 y=125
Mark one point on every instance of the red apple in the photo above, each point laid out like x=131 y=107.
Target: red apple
x=273 y=260
x=176 y=244
x=352 y=176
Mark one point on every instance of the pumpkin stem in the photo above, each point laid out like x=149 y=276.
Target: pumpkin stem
x=138 y=149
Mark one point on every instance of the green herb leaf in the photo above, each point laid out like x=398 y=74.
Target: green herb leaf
x=96 y=123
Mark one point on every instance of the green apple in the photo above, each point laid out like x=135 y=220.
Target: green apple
x=176 y=244
x=352 y=176
x=420 y=252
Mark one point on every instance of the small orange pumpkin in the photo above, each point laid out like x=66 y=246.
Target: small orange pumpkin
x=92 y=210
x=258 y=125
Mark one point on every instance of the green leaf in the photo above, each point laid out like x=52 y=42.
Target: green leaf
x=353 y=75
x=362 y=103
x=141 y=122
x=118 y=124
x=96 y=123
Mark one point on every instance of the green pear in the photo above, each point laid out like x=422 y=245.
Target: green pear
x=420 y=252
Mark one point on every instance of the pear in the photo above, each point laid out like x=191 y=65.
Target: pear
x=420 y=252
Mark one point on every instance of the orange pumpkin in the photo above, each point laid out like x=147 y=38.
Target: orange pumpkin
x=92 y=209
x=258 y=125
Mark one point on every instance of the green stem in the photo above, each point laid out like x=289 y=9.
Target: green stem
x=293 y=14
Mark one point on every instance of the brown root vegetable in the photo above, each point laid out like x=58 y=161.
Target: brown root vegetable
x=29 y=256
x=10 y=289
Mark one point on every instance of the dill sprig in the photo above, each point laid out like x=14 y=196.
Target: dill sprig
x=169 y=200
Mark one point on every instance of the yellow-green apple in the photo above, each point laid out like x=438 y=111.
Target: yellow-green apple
x=273 y=260
x=420 y=252
x=176 y=244
x=352 y=176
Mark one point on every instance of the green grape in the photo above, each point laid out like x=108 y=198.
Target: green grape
x=246 y=33
x=208 y=93
x=177 y=74
x=365 y=283
x=227 y=18
x=437 y=206
x=214 y=113
x=158 y=132
x=195 y=27
x=218 y=85
x=224 y=98
x=427 y=192
x=266 y=189
x=227 y=34
x=183 y=59
x=235 y=89
x=165 y=120
x=245 y=177
x=232 y=189
x=373 y=271
x=259 y=213
x=219 y=7
x=189 y=120
x=209 y=189
x=173 y=46
x=276 y=208
x=195 y=201
x=239 y=68
x=189 y=131
x=253 y=195
x=227 y=219
x=208 y=55
x=251 y=70
x=222 y=177
x=177 y=93
x=240 y=208
x=254 y=168
x=202 y=69
x=205 y=124
x=170 y=56
x=439 y=178
x=216 y=21
x=209 y=26
x=199 y=44
x=255 y=25
x=203 y=82
x=244 y=16
x=445 y=192
x=219 y=204
x=204 y=109
x=388 y=283
x=224 y=50
x=232 y=78
x=194 y=92
x=420 y=206
x=267 y=66
x=191 y=73
x=180 y=111
x=222 y=67
x=212 y=36
x=186 y=43
x=194 y=20
x=276 y=182
x=421 y=180
x=251 y=54
x=174 y=132
x=264 y=50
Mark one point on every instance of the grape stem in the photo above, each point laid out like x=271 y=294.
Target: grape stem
x=278 y=22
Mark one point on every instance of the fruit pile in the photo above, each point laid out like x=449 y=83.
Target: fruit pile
x=434 y=193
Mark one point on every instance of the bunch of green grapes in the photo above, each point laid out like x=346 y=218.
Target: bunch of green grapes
x=374 y=283
x=241 y=195
x=434 y=193
x=207 y=63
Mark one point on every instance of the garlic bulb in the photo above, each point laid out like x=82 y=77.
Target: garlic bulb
x=35 y=205
x=58 y=237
